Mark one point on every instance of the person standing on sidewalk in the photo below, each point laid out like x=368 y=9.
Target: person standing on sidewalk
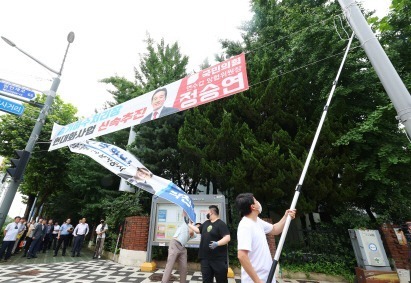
x=213 y=246
x=178 y=252
x=10 y=235
x=101 y=236
x=29 y=236
x=38 y=237
x=253 y=250
x=48 y=237
x=63 y=237
x=56 y=229
x=79 y=233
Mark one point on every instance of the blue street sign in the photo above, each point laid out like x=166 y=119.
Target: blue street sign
x=14 y=89
x=11 y=107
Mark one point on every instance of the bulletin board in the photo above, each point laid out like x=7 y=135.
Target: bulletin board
x=166 y=217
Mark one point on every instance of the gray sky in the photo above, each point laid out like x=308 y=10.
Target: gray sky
x=109 y=38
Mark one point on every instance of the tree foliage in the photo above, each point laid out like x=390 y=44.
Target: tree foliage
x=46 y=171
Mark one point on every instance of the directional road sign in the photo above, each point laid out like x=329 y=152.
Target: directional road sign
x=11 y=107
x=10 y=88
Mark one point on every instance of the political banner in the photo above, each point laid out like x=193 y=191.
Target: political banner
x=127 y=166
x=216 y=82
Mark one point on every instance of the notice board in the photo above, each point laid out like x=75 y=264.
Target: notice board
x=166 y=217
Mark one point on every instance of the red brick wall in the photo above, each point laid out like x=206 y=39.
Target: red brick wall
x=270 y=239
x=135 y=235
x=399 y=253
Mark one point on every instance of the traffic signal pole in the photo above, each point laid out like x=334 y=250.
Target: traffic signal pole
x=15 y=181
x=51 y=94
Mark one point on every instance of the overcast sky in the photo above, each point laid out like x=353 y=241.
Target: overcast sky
x=109 y=36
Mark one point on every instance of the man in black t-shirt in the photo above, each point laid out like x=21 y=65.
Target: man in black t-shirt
x=213 y=247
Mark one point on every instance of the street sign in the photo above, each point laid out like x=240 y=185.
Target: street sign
x=10 y=88
x=11 y=107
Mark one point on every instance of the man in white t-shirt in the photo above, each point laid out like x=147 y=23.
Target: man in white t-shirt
x=10 y=235
x=101 y=236
x=253 y=251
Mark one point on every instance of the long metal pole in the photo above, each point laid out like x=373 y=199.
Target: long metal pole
x=51 y=94
x=389 y=77
x=307 y=163
x=14 y=184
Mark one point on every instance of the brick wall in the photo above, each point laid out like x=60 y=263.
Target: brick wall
x=398 y=252
x=135 y=235
x=270 y=239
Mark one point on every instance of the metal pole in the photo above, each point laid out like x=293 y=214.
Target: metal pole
x=51 y=94
x=307 y=163
x=389 y=77
x=32 y=209
x=123 y=184
x=14 y=184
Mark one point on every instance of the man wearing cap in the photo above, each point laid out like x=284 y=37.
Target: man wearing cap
x=10 y=235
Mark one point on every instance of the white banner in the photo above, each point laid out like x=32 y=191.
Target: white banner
x=219 y=81
x=126 y=166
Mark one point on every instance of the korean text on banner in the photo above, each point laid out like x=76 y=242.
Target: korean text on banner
x=127 y=166
x=224 y=79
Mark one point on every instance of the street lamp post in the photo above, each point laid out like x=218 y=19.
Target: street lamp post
x=51 y=94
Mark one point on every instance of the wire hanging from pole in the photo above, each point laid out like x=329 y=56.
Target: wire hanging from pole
x=307 y=163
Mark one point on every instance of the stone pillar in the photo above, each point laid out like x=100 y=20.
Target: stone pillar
x=396 y=246
x=134 y=244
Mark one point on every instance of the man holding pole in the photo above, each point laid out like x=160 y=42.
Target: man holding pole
x=253 y=251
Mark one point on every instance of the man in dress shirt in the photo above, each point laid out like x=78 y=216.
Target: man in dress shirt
x=48 y=238
x=178 y=252
x=79 y=234
x=159 y=110
x=63 y=236
x=10 y=235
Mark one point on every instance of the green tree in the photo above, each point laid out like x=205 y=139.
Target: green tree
x=46 y=171
x=270 y=128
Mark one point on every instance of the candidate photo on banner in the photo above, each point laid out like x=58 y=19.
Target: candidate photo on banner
x=129 y=168
x=216 y=82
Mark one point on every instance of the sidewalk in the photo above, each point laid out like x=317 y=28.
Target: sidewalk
x=84 y=269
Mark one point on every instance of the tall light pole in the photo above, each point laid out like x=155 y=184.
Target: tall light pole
x=21 y=166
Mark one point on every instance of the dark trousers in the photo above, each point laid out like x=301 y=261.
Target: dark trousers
x=64 y=239
x=46 y=242
x=34 y=247
x=27 y=245
x=217 y=268
x=54 y=241
x=6 y=245
x=77 y=245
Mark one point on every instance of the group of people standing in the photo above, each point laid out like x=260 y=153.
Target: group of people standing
x=33 y=237
x=253 y=250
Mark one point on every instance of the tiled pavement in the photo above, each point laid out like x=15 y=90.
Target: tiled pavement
x=47 y=268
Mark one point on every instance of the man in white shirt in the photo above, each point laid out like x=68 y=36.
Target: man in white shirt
x=101 y=236
x=79 y=233
x=10 y=235
x=253 y=251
